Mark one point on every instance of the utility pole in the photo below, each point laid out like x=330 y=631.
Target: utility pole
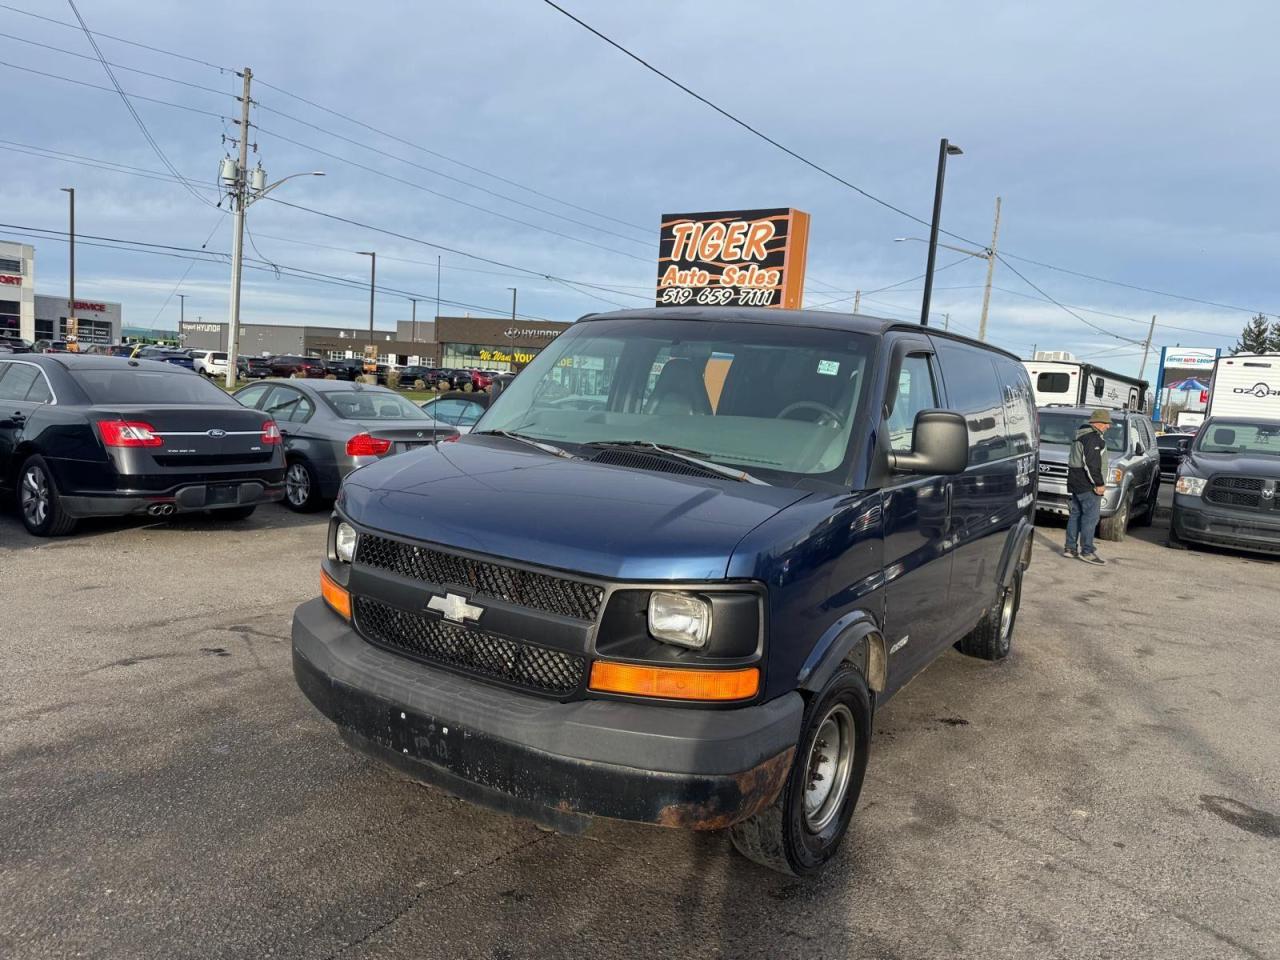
x=857 y=300
x=371 y=351
x=991 y=269
x=182 y=316
x=237 y=232
x=73 y=326
x=945 y=149
x=437 y=287
x=513 y=303
x=1146 y=346
x=414 y=301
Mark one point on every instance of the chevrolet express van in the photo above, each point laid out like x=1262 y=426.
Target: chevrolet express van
x=677 y=567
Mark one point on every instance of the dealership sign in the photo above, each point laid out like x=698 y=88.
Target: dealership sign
x=746 y=258
x=1178 y=364
x=1184 y=359
x=11 y=280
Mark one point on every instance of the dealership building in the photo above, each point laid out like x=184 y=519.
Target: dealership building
x=32 y=316
x=487 y=343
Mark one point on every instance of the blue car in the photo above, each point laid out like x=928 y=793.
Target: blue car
x=683 y=602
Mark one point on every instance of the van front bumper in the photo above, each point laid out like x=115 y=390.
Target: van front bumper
x=556 y=763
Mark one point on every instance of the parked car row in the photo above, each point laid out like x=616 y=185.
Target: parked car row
x=89 y=435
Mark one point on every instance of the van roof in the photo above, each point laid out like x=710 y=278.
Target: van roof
x=855 y=322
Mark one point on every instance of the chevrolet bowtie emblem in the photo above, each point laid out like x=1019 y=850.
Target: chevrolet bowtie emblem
x=453 y=606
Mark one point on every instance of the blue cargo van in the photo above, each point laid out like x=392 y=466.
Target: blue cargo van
x=676 y=568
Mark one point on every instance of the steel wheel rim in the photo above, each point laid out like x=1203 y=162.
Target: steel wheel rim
x=1006 y=614
x=35 y=496
x=828 y=768
x=297 y=484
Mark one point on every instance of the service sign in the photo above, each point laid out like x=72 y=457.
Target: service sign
x=745 y=258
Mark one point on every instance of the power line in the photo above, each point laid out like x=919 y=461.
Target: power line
x=742 y=123
x=890 y=286
x=202 y=256
x=118 y=66
x=852 y=186
x=183 y=279
x=441 y=156
x=107 y=36
x=440 y=173
x=97 y=86
x=418 y=186
x=1063 y=306
x=129 y=106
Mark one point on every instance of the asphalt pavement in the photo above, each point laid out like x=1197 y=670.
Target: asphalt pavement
x=1111 y=790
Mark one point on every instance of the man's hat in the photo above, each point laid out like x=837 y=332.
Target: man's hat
x=1100 y=416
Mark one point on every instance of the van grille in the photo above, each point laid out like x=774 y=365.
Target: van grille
x=525 y=588
x=468 y=650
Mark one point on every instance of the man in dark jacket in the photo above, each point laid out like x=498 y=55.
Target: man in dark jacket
x=1086 y=483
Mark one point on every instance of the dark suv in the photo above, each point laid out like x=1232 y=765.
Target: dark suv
x=288 y=365
x=681 y=606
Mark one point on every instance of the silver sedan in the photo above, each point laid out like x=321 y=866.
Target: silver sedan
x=331 y=427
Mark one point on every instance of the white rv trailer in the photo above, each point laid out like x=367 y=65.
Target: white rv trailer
x=1246 y=387
x=1058 y=378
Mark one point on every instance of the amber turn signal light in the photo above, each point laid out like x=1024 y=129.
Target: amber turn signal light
x=674 y=683
x=335 y=596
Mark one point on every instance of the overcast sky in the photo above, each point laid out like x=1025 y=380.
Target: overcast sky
x=1132 y=141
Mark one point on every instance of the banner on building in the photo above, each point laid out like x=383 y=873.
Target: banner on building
x=744 y=258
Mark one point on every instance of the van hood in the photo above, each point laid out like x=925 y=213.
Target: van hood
x=496 y=498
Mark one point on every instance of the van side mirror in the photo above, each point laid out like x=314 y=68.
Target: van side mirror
x=940 y=445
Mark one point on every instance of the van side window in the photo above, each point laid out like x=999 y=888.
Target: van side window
x=916 y=392
x=975 y=388
x=1019 y=408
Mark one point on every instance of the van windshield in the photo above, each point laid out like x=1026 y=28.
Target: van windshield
x=1240 y=437
x=1062 y=427
x=761 y=397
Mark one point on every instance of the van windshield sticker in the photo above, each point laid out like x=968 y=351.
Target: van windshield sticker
x=829 y=367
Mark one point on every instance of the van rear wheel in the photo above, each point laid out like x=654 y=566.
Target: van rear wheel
x=992 y=638
x=802 y=829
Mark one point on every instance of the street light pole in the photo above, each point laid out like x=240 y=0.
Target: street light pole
x=513 y=303
x=945 y=149
x=414 y=301
x=73 y=327
x=371 y=352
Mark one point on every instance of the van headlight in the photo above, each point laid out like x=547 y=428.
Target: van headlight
x=344 y=542
x=1191 y=486
x=679 y=618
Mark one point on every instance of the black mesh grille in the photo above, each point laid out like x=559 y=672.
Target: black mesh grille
x=470 y=650
x=1235 y=492
x=538 y=591
x=645 y=461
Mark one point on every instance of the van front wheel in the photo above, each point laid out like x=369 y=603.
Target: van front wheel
x=802 y=829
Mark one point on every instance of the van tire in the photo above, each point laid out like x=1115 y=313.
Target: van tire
x=780 y=836
x=992 y=638
x=1116 y=526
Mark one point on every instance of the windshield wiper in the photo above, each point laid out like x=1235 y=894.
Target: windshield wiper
x=694 y=457
x=520 y=438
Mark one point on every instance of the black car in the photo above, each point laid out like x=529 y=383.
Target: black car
x=410 y=375
x=10 y=345
x=253 y=368
x=86 y=436
x=676 y=607
x=346 y=368
x=1173 y=447
x=179 y=358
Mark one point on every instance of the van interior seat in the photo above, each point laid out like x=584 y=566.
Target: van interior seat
x=680 y=390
